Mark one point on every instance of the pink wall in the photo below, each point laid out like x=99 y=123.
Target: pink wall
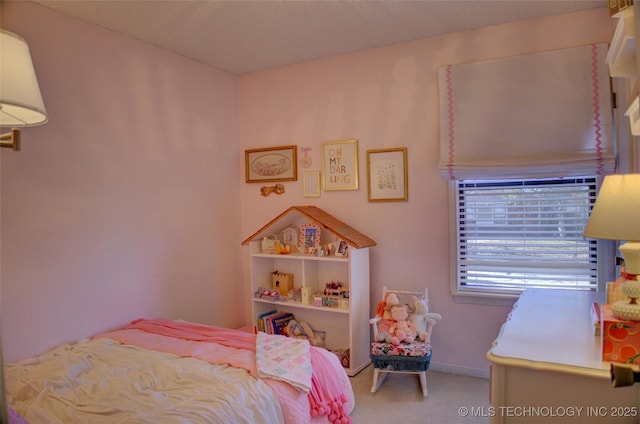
x=388 y=97
x=120 y=207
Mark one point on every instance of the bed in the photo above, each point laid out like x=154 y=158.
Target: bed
x=163 y=371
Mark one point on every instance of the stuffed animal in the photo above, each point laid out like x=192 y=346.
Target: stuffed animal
x=302 y=330
x=383 y=336
x=420 y=315
x=390 y=301
x=380 y=309
x=402 y=330
x=383 y=307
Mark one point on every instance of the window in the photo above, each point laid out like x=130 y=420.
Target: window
x=518 y=234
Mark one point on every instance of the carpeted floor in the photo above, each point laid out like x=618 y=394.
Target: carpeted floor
x=453 y=399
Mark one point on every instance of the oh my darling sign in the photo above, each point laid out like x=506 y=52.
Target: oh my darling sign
x=340 y=165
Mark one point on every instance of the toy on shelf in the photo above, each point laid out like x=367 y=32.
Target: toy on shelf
x=282 y=282
x=335 y=295
x=270 y=295
x=302 y=330
x=268 y=243
x=333 y=288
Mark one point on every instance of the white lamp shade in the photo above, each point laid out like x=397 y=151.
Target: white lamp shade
x=21 y=103
x=616 y=214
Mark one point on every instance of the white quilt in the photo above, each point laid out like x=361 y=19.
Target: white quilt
x=284 y=358
x=102 y=381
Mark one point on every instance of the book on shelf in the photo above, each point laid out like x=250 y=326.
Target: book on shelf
x=277 y=323
x=261 y=321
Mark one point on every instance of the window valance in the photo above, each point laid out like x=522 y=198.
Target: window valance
x=533 y=116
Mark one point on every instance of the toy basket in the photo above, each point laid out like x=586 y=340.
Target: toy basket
x=402 y=362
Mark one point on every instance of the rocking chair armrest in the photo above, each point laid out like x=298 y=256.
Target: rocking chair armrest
x=374 y=323
x=434 y=315
x=430 y=323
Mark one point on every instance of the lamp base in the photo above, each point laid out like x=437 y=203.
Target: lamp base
x=631 y=253
x=626 y=311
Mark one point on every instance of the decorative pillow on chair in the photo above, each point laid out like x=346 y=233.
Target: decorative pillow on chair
x=416 y=348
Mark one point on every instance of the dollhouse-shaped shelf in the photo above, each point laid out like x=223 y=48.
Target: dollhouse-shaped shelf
x=346 y=326
x=316 y=216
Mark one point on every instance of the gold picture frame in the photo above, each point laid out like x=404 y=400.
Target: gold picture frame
x=271 y=164
x=387 y=179
x=311 y=184
x=340 y=165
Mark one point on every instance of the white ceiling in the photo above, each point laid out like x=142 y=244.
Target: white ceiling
x=241 y=36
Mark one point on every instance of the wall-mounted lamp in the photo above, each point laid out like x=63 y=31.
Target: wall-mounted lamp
x=21 y=103
x=623 y=375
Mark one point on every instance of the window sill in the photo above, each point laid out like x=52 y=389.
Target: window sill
x=484 y=298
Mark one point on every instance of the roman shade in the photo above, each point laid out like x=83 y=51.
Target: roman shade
x=532 y=116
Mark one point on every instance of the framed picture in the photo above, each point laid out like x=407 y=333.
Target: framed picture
x=387 y=175
x=311 y=184
x=343 y=249
x=271 y=164
x=309 y=237
x=290 y=236
x=340 y=165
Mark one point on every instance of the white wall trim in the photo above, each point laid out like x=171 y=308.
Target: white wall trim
x=454 y=369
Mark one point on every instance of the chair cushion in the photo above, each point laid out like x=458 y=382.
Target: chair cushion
x=416 y=348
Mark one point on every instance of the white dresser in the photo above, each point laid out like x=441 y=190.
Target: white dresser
x=546 y=365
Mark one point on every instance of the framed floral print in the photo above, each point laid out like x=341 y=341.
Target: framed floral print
x=387 y=175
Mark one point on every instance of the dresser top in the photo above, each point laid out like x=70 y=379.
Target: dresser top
x=551 y=329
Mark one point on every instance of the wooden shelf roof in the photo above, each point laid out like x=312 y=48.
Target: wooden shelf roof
x=321 y=218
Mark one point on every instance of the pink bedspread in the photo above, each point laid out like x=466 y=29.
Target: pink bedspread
x=326 y=398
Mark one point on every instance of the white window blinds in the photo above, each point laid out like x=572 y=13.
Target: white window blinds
x=514 y=235
x=534 y=116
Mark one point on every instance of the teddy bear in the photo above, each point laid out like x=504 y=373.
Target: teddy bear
x=419 y=316
x=402 y=331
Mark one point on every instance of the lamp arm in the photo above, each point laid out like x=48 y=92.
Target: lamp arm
x=623 y=375
x=11 y=139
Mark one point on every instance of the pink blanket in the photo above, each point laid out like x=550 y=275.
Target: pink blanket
x=326 y=398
